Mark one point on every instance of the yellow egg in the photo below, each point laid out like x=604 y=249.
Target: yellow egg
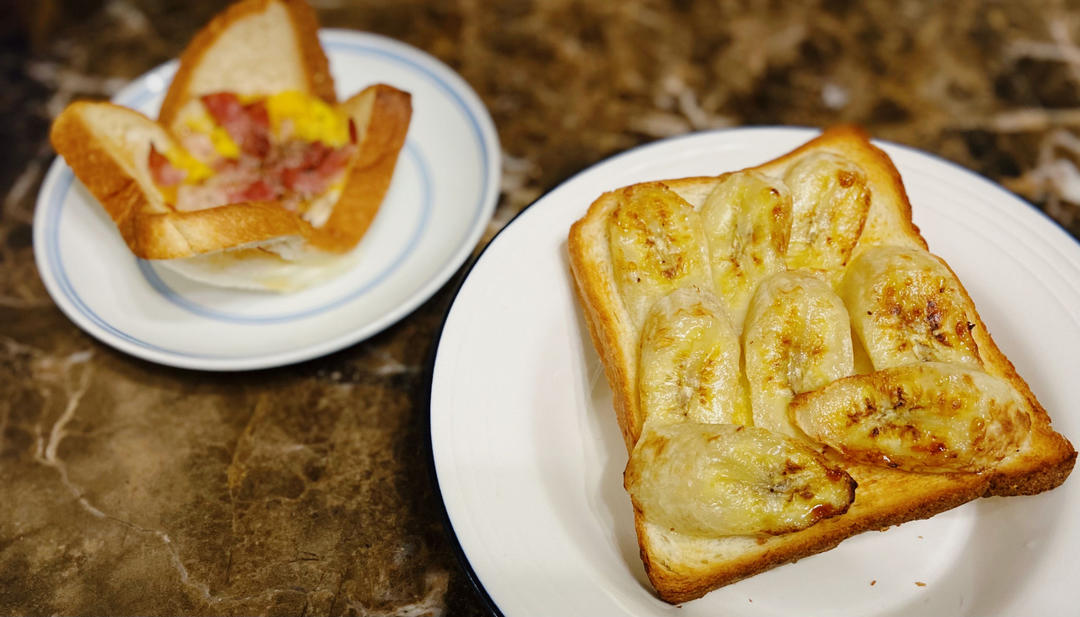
x=311 y=118
x=224 y=143
x=197 y=171
x=219 y=137
x=199 y=122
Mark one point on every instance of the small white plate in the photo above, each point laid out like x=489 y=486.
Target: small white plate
x=443 y=194
x=529 y=458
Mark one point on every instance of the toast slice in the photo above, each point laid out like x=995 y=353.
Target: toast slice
x=253 y=47
x=253 y=52
x=683 y=566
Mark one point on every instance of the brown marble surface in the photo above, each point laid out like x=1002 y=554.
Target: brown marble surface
x=131 y=488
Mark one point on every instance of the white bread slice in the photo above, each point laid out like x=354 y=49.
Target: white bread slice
x=683 y=567
x=254 y=48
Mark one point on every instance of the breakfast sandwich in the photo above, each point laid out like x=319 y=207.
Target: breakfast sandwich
x=253 y=175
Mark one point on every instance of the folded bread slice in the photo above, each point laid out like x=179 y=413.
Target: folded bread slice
x=256 y=48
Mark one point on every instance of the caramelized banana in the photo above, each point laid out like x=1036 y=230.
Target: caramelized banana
x=721 y=479
x=796 y=339
x=906 y=306
x=689 y=362
x=747 y=220
x=657 y=245
x=930 y=416
x=830 y=200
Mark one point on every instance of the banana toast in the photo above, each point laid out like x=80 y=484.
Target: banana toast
x=791 y=366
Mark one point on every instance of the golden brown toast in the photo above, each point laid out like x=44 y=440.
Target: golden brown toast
x=683 y=566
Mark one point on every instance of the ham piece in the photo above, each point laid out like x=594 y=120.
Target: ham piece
x=287 y=170
x=162 y=171
x=248 y=125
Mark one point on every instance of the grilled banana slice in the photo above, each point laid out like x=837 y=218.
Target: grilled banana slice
x=747 y=220
x=797 y=338
x=689 y=362
x=931 y=416
x=830 y=201
x=906 y=306
x=657 y=245
x=721 y=479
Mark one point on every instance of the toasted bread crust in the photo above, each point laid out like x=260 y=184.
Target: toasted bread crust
x=605 y=326
x=884 y=497
x=676 y=586
x=155 y=232
x=305 y=25
x=182 y=234
x=370 y=172
x=118 y=192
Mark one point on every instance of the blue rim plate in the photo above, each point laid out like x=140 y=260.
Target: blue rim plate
x=443 y=194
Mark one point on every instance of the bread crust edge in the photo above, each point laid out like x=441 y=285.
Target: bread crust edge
x=370 y=172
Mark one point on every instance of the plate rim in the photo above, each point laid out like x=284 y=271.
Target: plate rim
x=1054 y=227
x=463 y=96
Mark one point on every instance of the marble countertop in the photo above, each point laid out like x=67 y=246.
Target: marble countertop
x=132 y=488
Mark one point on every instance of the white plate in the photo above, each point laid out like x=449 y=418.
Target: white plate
x=443 y=194
x=529 y=458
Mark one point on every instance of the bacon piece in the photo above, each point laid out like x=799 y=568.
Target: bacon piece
x=242 y=180
x=257 y=139
x=319 y=165
x=314 y=154
x=257 y=113
x=162 y=171
x=260 y=190
x=303 y=182
x=224 y=108
x=336 y=160
x=248 y=125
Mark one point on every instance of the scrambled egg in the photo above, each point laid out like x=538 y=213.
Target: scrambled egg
x=202 y=123
x=312 y=119
x=197 y=171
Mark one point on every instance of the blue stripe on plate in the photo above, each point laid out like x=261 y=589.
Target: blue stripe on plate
x=56 y=202
x=60 y=274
